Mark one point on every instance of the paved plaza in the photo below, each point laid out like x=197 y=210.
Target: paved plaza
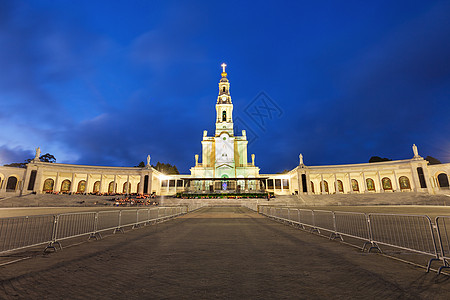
x=222 y=252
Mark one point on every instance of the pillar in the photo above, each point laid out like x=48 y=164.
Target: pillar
x=300 y=183
x=86 y=189
x=114 y=184
x=72 y=184
x=56 y=187
x=100 y=189
x=38 y=184
x=150 y=182
x=308 y=184
x=396 y=185
x=323 y=184
x=141 y=185
x=336 y=188
x=128 y=185
x=381 y=190
x=350 y=183
x=364 y=183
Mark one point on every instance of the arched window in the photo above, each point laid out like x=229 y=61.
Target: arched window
x=65 y=186
x=81 y=186
x=355 y=186
x=312 y=187
x=224 y=116
x=11 y=184
x=111 y=188
x=126 y=188
x=387 y=184
x=340 y=186
x=325 y=183
x=224 y=89
x=96 y=188
x=404 y=183
x=443 y=181
x=48 y=185
x=370 y=184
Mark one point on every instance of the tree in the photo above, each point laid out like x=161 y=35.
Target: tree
x=47 y=157
x=166 y=168
x=432 y=160
x=140 y=165
x=378 y=159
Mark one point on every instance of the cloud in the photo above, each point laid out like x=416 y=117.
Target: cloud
x=17 y=154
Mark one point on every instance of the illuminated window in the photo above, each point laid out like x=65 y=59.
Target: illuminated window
x=224 y=116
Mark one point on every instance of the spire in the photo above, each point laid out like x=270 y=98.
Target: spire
x=224 y=87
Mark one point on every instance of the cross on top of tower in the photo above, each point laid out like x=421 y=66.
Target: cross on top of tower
x=223 y=66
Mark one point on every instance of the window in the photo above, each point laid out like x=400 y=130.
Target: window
x=224 y=89
x=171 y=182
x=387 y=185
x=370 y=184
x=285 y=183
x=312 y=187
x=32 y=180
x=325 y=183
x=11 y=185
x=65 y=186
x=404 y=183
x=443 y=181
x=278 y=184
x=423 y=184
x=81 y=186
x=224 y=116
x=270 y=184
x=48 y=185
x=355 y=185
x=179 y=183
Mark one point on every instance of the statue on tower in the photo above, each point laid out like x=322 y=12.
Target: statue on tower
x=38 y=153
x=148 y=160
x=415 y=151
x=301 y=159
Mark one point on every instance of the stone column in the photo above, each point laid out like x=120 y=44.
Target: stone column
x=114 y=184
x=415 y=184
x=350 y=183
x=128 y=184
x=428 y=179
x=308 y=184
x=396 y=184
x=150 y=182
x=38 y=184
x=323 y=184
x=381 y=190
x=300 y=182
x=141 y=185
x=56 y=187
x=364 y=183
x=336 y=187
x=26 y=180
x=86 y=188
x=100 y=188
x=72 y=183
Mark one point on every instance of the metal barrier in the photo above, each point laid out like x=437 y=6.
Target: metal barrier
x=443 y=230
x=413 y=233
x=23 y=232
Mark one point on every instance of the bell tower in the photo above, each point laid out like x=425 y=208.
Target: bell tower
x=224 y=107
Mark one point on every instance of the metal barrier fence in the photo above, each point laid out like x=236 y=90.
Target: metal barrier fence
x=23 y=232
x=414 y=233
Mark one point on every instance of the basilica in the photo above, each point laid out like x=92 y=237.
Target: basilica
x=224 y=170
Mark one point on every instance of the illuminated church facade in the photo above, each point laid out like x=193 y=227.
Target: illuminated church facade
x=224 y=168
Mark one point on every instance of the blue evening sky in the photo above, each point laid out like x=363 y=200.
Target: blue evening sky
x=108 y=82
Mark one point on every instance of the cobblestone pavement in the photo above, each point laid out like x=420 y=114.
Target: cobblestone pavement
x=217 y=253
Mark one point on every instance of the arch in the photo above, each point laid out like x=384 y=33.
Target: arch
x=11 y=184
x=443 y=181
x=387 y=184
x=224 y=116
x=224 y=89
x=81 y=186
x=126 y=188
x=325 y=183
x=340 y=187
x=65 y=186
x=96 y=188
x=48 y=185
x=370 y=184
x=404 y=183
x=355 y=185
x=312 y=187
x=112 y=187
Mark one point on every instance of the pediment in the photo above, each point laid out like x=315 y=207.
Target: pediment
x=225 y=166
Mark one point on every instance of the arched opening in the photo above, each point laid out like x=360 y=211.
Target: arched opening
x=65 y=186
x=443 y=181
x=387 y=184
x=146 y=184
x=96 y=188
x=404 y=183
x=340 y=186
x=305 y=188
x=112 y=187
x=355 y=186
x=81 y=186
x=11 y=184
x=224 y=89
x=32 y=180
x=126 y=188
x=224 y=116
x=370 y=184
x=48 y=185
x=422 y=181
x=325 y=183
x=312 y=187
